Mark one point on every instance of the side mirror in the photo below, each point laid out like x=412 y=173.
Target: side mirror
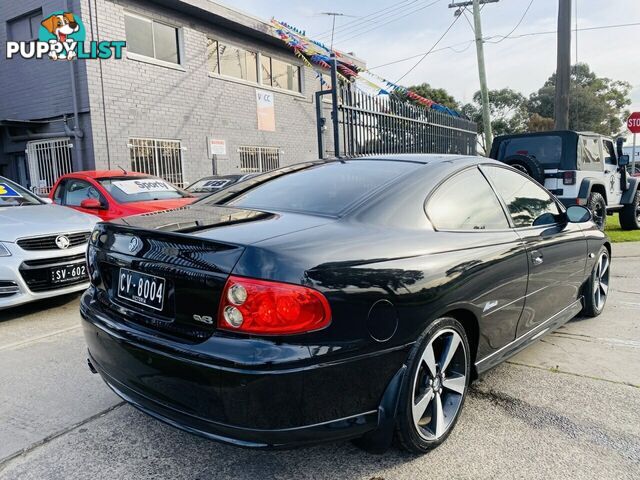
x=91 y=203
x=623 y=161
x=578 y=214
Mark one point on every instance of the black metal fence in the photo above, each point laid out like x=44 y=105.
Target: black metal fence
x=369 y=124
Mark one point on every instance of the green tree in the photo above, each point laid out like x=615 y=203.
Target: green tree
x=538 y=123
x=596 y=104
x=438 y=95
x=508 y=110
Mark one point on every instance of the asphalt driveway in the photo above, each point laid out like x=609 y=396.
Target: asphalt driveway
x=567 y=407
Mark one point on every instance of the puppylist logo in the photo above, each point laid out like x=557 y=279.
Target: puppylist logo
x=62 y=36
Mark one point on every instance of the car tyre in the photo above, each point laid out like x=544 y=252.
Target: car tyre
x=598 y=206
x=596 y=289
x=630 y=214
x=527 y=165
x=435 y=386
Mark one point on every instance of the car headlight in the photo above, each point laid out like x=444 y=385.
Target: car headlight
x=4 y=251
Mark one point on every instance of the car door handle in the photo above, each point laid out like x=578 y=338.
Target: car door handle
x=536 y=258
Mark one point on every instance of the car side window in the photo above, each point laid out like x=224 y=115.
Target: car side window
x=58 y=195
x=591 y=151
x=529 y=204
x=466 y=202
x=609 y=152
x=78 y=190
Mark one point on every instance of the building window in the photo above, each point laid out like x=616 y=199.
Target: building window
x=152 y=39
x=232 y=61
x=259 y=159
x=161 y=158
x=25 y=27
x=280 y=74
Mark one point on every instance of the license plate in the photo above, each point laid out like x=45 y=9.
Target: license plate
x=68 y=273
x=141 y=288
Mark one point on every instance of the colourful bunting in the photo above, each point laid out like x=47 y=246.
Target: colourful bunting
x=312 y=53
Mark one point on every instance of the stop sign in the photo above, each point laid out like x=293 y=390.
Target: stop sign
x=633 y=122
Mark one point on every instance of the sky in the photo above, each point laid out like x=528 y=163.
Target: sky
x=410 y=27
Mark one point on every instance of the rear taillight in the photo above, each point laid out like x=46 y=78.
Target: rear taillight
x=271 y=308
x=569 y=178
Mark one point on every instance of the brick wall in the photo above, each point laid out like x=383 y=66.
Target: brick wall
x=35 y=89
x=147 y=100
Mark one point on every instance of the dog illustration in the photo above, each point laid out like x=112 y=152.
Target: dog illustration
x=61 y=26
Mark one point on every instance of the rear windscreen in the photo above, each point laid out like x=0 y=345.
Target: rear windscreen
x=545 y=149
x=325 y=189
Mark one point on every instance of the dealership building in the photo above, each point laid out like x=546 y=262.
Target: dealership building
x=201 y=88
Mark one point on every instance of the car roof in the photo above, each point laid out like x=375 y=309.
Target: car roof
x=456 y=161
x=97 y=174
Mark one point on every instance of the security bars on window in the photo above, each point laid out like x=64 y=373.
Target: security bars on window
x=162 y=158
x=259 y=159
x=48 y=160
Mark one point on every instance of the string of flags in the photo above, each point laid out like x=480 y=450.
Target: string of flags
x=316 y=53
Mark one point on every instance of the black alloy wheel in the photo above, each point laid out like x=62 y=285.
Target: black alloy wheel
x=596 y=290
x=630 y=214
x=435 y=387
x=598 y=207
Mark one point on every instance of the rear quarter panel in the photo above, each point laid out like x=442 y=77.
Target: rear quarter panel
x=423 y=273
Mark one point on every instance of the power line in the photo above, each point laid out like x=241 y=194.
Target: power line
x=549 y=32
x=361 y=20
x=389 y=21
x=385 y=19
x=517 y=24
x=512 y=37
x=431 y=49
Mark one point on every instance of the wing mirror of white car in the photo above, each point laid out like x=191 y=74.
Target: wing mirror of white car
x=578 y=214
x=46 y=200
x=623 y=161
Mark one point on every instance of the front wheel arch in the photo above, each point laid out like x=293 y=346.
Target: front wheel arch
x=472 y=328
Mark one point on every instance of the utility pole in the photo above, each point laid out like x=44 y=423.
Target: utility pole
x=482 y=73
x=563 y=69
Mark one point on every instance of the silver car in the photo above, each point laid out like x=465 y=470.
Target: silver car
x=42 y=247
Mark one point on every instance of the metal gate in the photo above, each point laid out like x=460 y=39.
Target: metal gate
x=161 y=158
x=259 y=159
x=48 y=160
x=365 y=124
x=378 y=125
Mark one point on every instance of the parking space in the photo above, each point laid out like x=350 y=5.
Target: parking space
x=567 y=407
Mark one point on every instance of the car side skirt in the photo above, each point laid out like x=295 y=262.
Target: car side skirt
x=523 y=341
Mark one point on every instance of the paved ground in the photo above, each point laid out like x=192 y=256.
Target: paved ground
x=567 y=407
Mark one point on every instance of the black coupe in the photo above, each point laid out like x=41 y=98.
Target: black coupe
x=343 y=299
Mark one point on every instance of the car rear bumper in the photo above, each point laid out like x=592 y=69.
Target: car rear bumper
x=256 y=406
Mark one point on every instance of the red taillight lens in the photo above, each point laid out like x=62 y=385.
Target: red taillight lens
x=569 y=178
x=271 y=308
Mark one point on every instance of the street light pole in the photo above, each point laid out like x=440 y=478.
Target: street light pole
x=482 y=72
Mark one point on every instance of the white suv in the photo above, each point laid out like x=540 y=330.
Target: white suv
x=580 y=168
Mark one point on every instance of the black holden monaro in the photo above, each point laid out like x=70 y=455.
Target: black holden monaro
x=336 y=299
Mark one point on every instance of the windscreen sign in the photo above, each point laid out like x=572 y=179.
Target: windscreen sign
x=7 y=192
x=62 y=36
x=134 y=187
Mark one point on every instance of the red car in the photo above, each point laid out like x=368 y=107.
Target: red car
x=113 y=194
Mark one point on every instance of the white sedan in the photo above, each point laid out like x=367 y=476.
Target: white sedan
x=42 y=247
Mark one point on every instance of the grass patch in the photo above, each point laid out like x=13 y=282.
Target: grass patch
x=615 y=232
